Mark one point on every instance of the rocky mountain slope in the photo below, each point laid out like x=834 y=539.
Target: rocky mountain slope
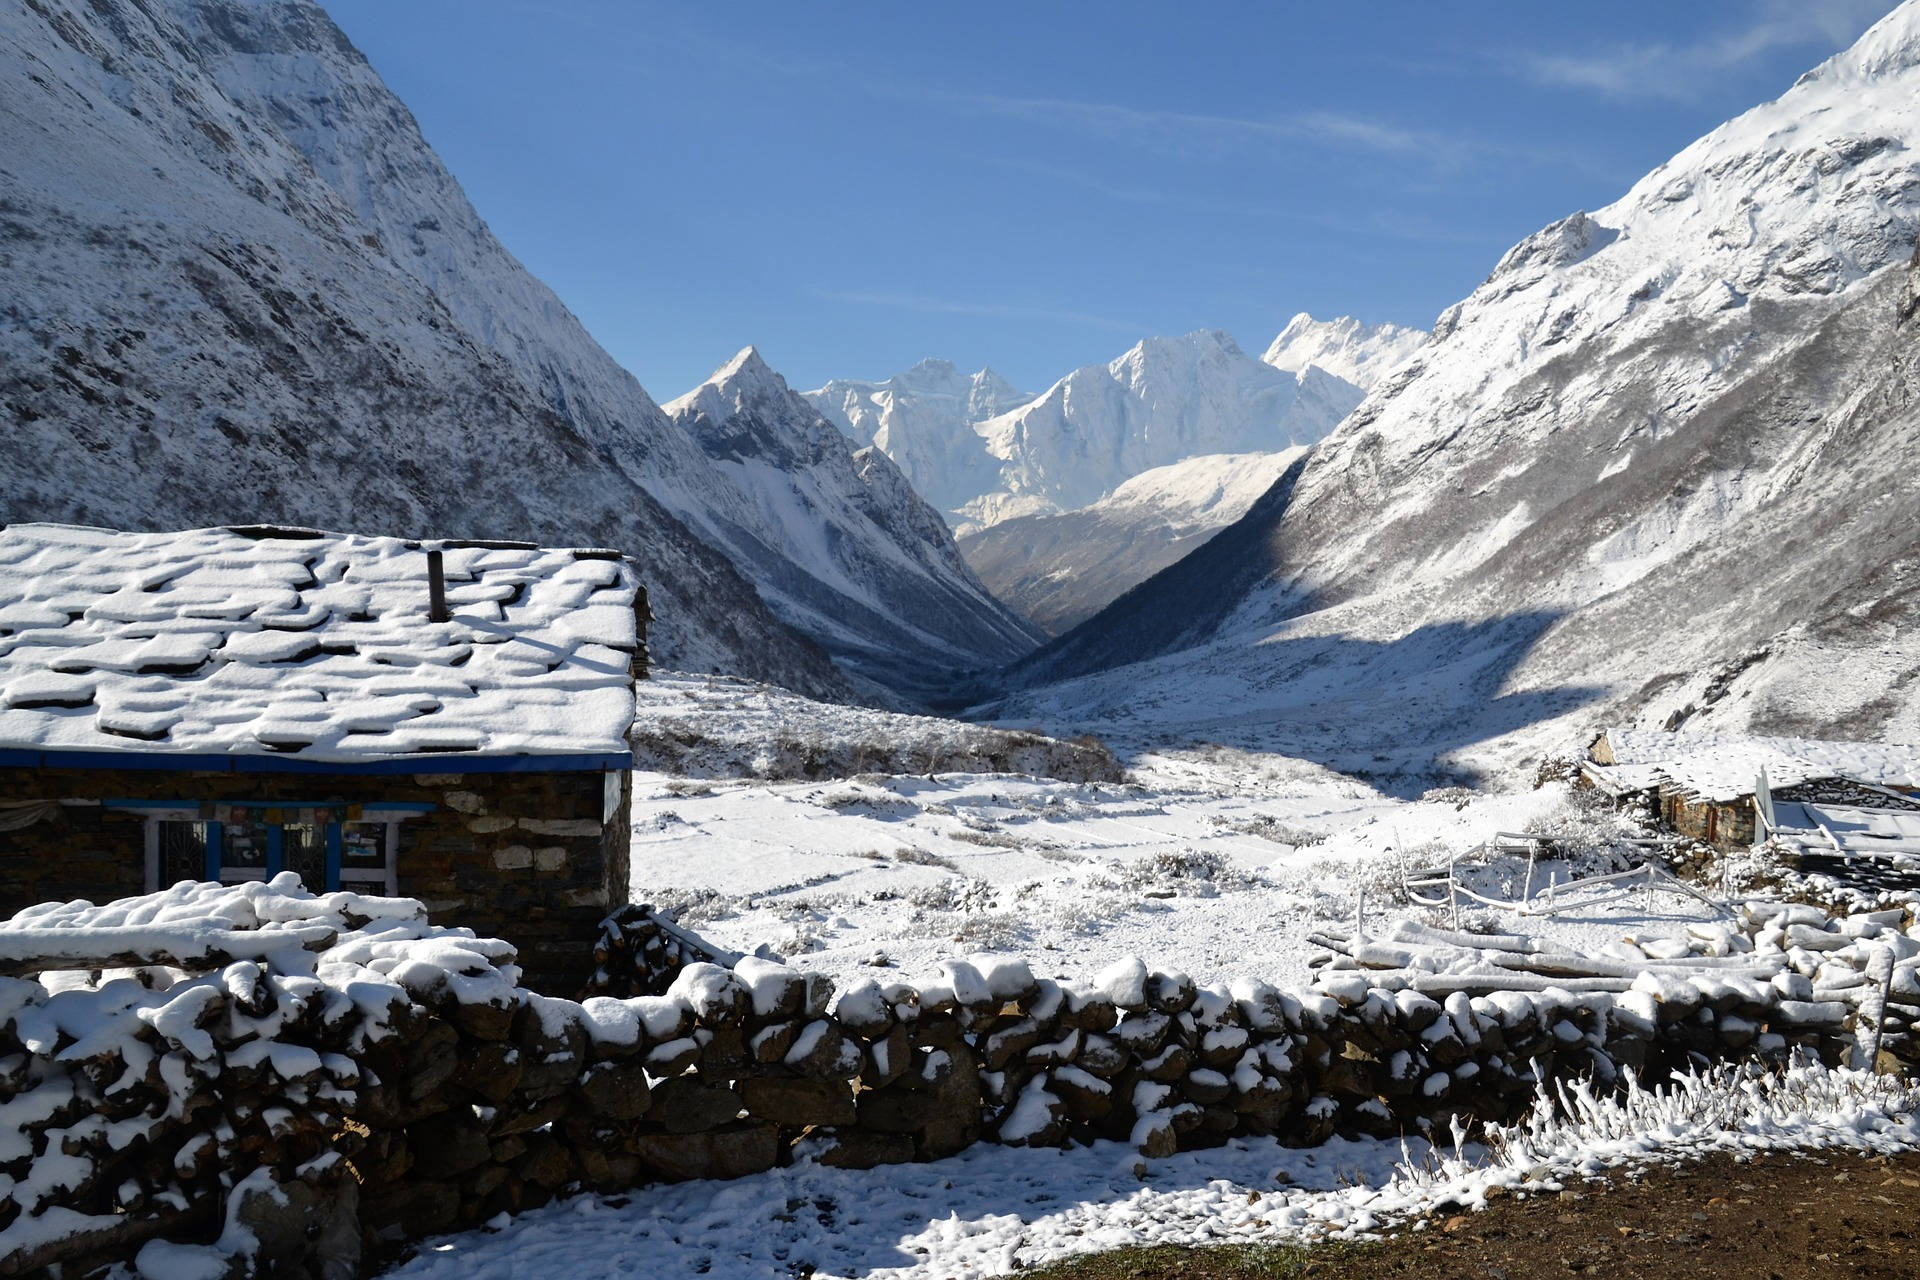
x=842 y=547
x=1344 y=347
x=241 y=287
x=1658 y=466
x=1060 y=570
x=924 y=420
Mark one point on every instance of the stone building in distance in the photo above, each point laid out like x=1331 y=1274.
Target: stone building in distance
x=446 y=721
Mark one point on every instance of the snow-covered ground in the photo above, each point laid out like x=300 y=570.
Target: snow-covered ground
x=1211 y=861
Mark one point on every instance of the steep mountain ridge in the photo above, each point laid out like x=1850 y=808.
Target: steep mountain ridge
x=242 y=287
x=883 y=586
x=1344 y=347
x=1655 y=466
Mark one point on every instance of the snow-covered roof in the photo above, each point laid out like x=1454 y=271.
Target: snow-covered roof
x=316 y=646
x=1723 y=767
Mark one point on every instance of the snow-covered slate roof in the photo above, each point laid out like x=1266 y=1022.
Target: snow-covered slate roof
x=1723 y=767
x=317 y=646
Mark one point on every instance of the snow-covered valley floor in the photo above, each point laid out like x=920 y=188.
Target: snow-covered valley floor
x=1213 y=862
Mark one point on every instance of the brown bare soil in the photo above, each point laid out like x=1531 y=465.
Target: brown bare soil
x=1776 y=1217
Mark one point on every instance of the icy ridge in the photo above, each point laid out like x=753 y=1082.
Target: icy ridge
x=883 y=584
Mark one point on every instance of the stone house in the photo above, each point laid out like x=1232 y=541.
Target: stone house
x=446 y=721
x=1731 y=791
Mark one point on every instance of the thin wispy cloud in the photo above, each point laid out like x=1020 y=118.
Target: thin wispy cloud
x=998 y=311
x=1689 y=71
x=1122 y=120
x=1418 y=229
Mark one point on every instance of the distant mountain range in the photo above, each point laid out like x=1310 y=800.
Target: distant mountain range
x=1042 y=490
x=1658 y=467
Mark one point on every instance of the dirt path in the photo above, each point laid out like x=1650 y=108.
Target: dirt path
x=1779 y=1217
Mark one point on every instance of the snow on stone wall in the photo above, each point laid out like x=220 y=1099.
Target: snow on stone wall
x=381 y=1079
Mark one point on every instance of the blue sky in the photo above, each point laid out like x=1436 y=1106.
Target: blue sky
x=1033 y=187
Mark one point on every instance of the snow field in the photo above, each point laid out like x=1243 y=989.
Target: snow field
x=1215 y=863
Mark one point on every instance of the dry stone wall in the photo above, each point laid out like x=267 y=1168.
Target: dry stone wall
x=370 y=1079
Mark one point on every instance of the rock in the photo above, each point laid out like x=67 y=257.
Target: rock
x=484 y=1021
x=724 y=1052
x=733 y=1152
x=716 y=997
x=1087 y=1098
x=896 y=1110
x=544 y=1162
x=1206 y=1086
x=432 y=1056
x=1154 y=1135
x=1008 y=1043
x=798 y=1104
x=412 y=1210
x=822 y=1052
x=686 y=1105
x=777 y=990
x=861 y=1149
x=490 y=1071
x=1170 y=992
x=304 y=1218
x=673 y=1057
x=1169 y=1064
x=1124 y=983
x=449 y=1145
x=888 y=1058
x=1055 y=1053
x=1089 y=1011
x=1008 y=978
x=1144 y=1033
x=618 y=1091
x=770 y=1044
x=527 y=1118
x=1102 y=1056
x=1036 y=1118
x=863 y=1009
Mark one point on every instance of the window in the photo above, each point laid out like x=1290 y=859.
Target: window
x=303 y=848
x=182 y=852
x=328 y=846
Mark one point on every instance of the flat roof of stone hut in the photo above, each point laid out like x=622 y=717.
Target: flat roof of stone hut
x=281 y=648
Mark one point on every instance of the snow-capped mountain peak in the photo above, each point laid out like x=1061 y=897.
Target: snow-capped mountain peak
x=1163 y=400
x=1344 y=347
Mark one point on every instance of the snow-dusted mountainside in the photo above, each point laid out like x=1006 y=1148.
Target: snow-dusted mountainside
x=1659 y=465
x=1062 y=569
x=1344 y=347
x=1165 y=400
x=842 y=547
x=241 y=287
x=924 y=419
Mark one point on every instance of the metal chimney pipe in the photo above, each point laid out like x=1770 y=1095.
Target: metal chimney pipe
x=436 y=586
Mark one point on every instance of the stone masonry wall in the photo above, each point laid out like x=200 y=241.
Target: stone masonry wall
x=457 y=1095
x=521 y=856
